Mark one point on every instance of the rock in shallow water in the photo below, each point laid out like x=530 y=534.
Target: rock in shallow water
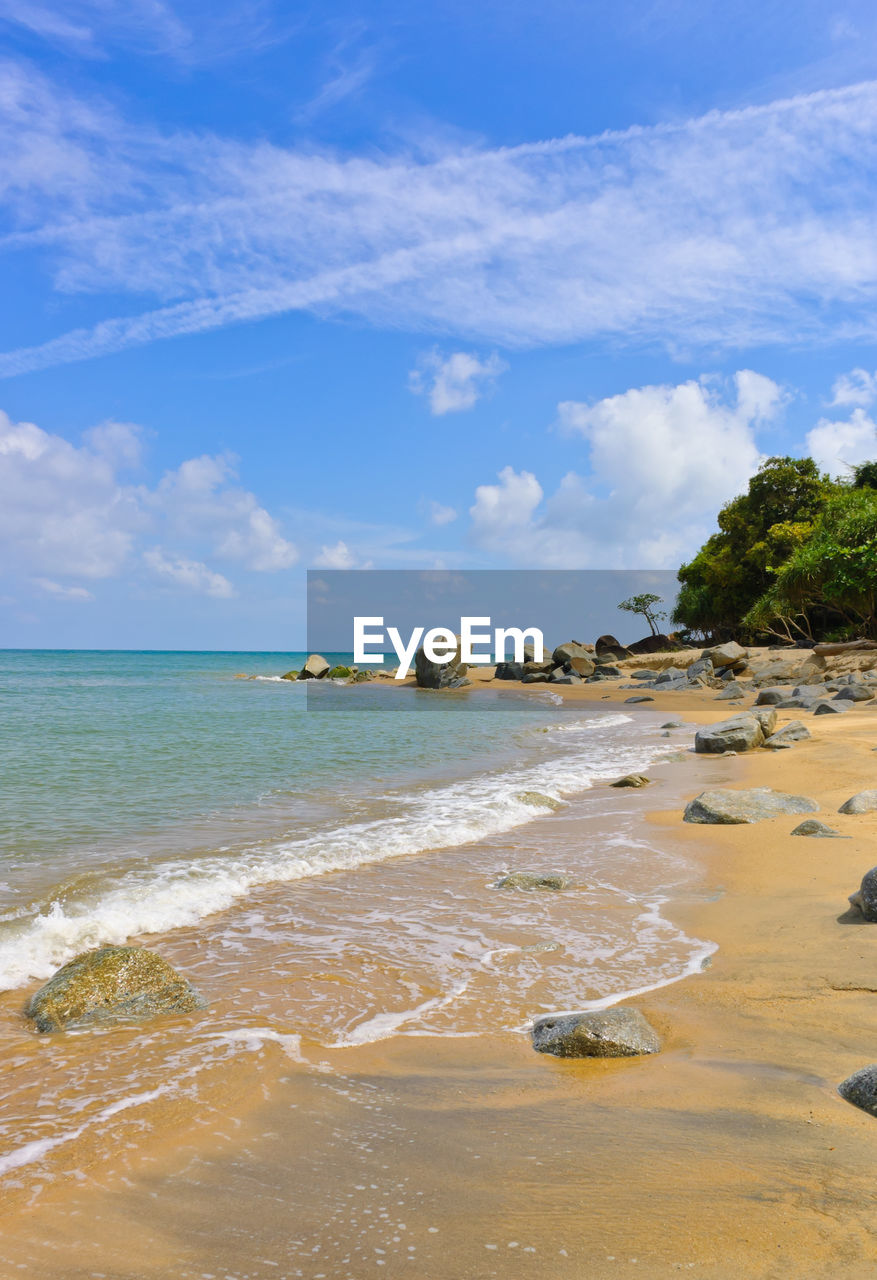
x=632 y=780
x=110 y=984
x=726 y=807
x=531 y=880
x=608 y=1033
x=861 y=1089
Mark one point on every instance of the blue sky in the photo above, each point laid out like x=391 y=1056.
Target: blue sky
x=294 y=286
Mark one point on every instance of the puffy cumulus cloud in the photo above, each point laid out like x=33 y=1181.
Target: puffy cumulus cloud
x=338 y=556
x=192 y=575
x=858 y=387
x=662 y=460
x=74 y=511
x=838 y=446
x=63 y=509
x=455 y=382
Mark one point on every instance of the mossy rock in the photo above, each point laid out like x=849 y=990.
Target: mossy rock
x=539 y=800
x=531 y=880
x=339 y=673
x=111 y=984
x=289 y=675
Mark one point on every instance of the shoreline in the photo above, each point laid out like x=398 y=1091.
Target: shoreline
x=727 y=1154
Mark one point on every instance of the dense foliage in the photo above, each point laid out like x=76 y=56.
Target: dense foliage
x=795 y=557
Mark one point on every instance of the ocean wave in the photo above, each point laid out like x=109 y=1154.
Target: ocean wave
x=176 y=893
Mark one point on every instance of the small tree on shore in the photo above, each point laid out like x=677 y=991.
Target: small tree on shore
x=645 y=604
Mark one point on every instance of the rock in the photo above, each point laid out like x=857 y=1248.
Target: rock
x=559 y=676
x=854 y=693
x=640 y=697
x=731 y=691
x=794 y=731
x=539 y=799
x=450 y=674
x=339 y=673
x=725 y=807
x=536 y=677
x=831 y=708
x=701 y=667
x=362 y=676
x=726 y=655
x=288 y=675
x=812 y=827
x=670 y=674
x=770 y=697
x=672 y=724
x=608 y=647
x=509 y=671
x=608 y=1033
x=645 y=674
x=531 y=880
x=108 y=984
x=766 y=717
x=632 y=780
x=861 y=802
x=581 y=666
x=865 y=897
x=861 y=1089
x=316 y=668
x=542 y=668
x=564 y=654
x=742 y=733
x=654 y=644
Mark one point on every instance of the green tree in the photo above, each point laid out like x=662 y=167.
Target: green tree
x=865 y=475
x=645 y=604
x=757 y=532
x=832 y=576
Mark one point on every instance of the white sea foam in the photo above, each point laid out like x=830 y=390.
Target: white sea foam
x=176 y=893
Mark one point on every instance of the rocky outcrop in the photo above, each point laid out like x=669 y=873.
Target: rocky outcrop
x=861 y=1089
x=609 y=1033
x=111 y=984
x=531 y=880
x=654 y=644
x=316 y=668
x=861 y=802
x=741 y=733
x=865 y=897
x=725 y=807
x=440 y=675
x=812 y=827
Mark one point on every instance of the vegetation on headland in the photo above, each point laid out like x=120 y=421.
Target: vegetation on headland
x=794 y=559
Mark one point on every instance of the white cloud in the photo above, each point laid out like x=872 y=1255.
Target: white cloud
x=739 y=227
x=454 y=382
x=70 y=510
x=77 y=594
x=662 y=460
x=189 y=574
x=837 y=446
x=338 y=557
x=440 y=514
x=859 y=387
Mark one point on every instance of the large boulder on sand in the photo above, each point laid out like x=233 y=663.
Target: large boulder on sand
x=108 y=984
x=727 y=655
x=608 y=647
x=608 y=1033
x=723 y=807
x=450 y=674
x=565 y=653
x=865 y=897
x=316 y=668
x=509 y=671
x=861 y=802
x=740 y=733
x=792 y=732
x=861 y=1089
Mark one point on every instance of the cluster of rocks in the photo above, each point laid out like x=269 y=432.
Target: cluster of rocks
x=317 y=668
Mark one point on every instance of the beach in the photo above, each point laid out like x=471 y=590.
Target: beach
x=469 y=1155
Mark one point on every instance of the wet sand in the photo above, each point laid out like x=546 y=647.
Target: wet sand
x=729 y=1154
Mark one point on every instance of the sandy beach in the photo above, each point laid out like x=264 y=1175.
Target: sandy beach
x=728 y=1154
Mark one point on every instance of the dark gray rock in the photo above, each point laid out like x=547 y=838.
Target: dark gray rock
x=672 y=724
x=531 y=880
x=854 y=693
x=865 y=897
x=861 y=1089
x=609 y=1033
x=770 y=697
x=644 y=675
x=108 y=985
x=724 y=807
x=741 y=733
x=608 y=647
x=731 y=692
x=792 y=732
x=640 y=697
x=440 y=675
x=701 y=667
x=861 y=802
x=830 y=708
x=536 y=677
x=812 y=827
x=509 y=671
x=559 y=676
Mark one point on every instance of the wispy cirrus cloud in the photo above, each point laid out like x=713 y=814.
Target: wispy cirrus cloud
x=756 y=225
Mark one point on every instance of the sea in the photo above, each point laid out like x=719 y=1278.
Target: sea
x=321 y=861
